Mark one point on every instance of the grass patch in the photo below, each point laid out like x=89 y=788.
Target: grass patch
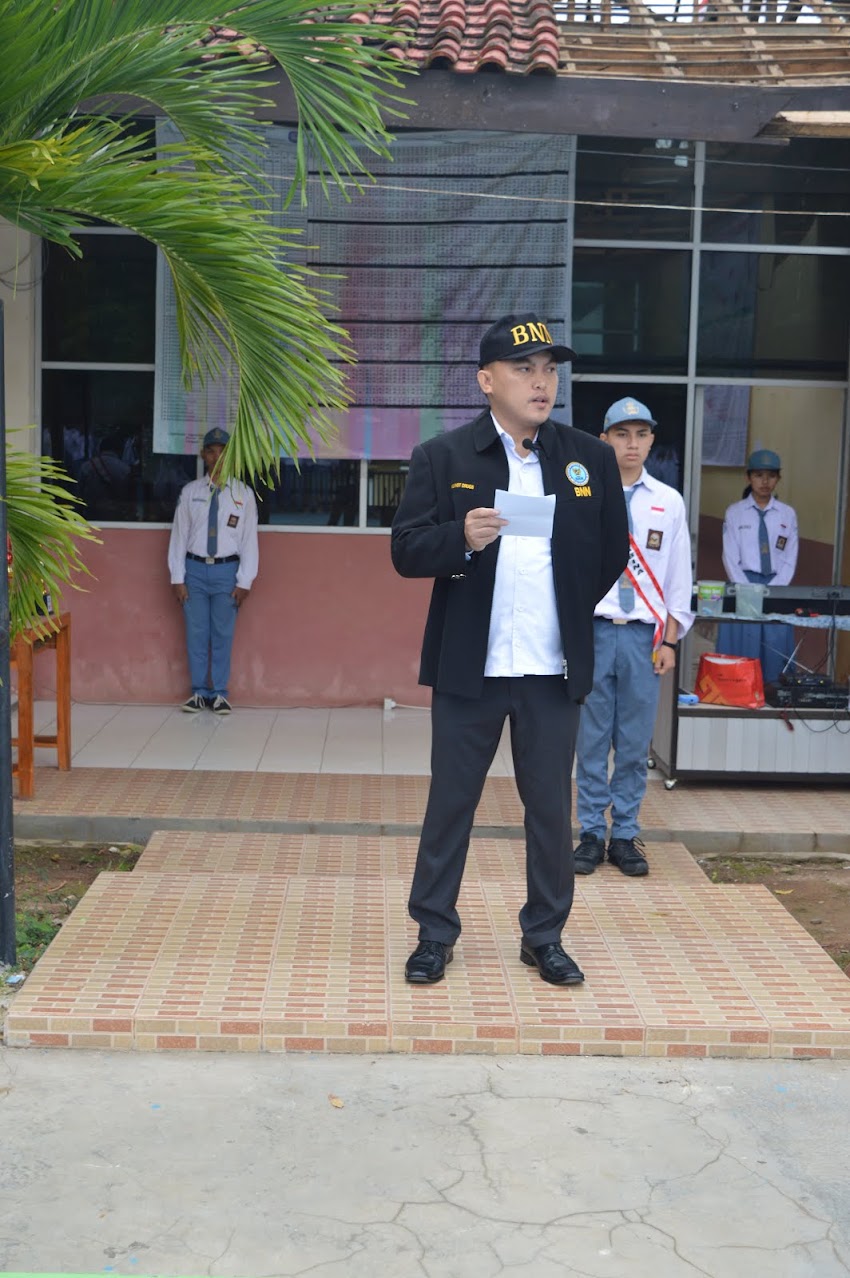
x=33 y=934
x=51 y=877
x=734 y=871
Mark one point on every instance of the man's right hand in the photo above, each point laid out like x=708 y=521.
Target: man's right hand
x=181 y=593
x=482 y=526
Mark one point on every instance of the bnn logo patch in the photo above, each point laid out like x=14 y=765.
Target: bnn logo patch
x=524 y=333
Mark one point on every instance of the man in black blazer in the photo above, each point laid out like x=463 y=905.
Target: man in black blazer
x=509 y=631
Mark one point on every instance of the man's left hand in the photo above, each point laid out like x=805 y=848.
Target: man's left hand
x=665 y=659
x=239 y=593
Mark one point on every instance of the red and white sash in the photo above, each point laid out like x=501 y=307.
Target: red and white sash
x=645 y=584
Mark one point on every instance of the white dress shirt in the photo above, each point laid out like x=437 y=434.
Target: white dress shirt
x=237 y=529
x=741 y=540
x=660 y=530
x=525 y=636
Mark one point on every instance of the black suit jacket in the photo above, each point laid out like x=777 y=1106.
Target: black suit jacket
x=461 y=470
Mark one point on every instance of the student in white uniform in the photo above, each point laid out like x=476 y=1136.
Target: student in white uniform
x=213 y=559
x=636 y=630
x=760 y=543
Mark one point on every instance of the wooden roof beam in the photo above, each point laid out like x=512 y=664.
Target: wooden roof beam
x=808 y=124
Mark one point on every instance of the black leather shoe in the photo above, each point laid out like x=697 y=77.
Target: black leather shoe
x=627 y=855
x=552 y=962
x=589 y=853
x=428 y=963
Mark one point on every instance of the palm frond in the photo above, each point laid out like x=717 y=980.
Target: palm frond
x=203 y=203
x=97 y=49
x=45 y=530
x=234 y=297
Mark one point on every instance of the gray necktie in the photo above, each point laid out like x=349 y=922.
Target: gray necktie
x=625 y=588
x=212 y=525
x=764 y=545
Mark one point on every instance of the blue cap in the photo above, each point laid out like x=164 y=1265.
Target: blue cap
x=764 y=459
x=216 y=436
x=627 y=410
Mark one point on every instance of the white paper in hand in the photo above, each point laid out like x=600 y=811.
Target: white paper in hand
x=528 y=516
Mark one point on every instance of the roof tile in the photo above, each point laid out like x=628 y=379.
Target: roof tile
x=517 y=36
x=713 y=40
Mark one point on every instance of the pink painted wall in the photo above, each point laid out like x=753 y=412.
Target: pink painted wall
x=328 y=623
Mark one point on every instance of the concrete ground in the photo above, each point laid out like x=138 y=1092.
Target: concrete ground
x=394 y=1165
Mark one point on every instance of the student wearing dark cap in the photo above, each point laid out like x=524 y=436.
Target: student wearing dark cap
x=760 y=544
x=637 y=628
x=213 y=559
x=509 y=633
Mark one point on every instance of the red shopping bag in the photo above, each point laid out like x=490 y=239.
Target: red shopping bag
x=730 y=681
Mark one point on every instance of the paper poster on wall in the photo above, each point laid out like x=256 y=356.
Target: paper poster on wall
x=456 y=230
x=725 y=421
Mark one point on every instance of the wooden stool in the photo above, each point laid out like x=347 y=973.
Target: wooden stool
x=22 y=656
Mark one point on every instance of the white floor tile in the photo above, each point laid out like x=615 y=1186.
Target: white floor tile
x=406 y=742
x=345 y=740
x=238 y=741
x=121 y=739
x=177 y=742
x=296 y=741
x=503 y=764
x=87 y=721
x=354 y=741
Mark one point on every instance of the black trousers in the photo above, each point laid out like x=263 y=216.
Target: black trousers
x=465 y=736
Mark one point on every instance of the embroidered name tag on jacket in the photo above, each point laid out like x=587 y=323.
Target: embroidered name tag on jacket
x=654 y=539
x=471 y=487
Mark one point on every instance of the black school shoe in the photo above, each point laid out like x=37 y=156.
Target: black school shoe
x=428 y=963
x=627 y=855
x=552 y=962
x=589 y=853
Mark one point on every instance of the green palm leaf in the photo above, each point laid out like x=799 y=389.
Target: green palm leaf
x=203 y=203
x=71 y=152
x=45 y=529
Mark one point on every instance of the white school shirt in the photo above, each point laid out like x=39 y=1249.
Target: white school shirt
x=525 y=636
x=660 y=530
x=237 y=529
x=741 y=540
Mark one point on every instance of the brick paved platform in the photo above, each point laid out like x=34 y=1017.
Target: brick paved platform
x=297 y=941
x=124 y=803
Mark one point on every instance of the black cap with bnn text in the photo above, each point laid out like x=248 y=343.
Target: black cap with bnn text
x=514 y=336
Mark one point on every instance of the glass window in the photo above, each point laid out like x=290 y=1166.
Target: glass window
x=630 y=310
x=386 y=480
x=773 y=315
x=667 y=404
x=791 y=189
x=771 y=417
x=319 y=493
x=619 y=175
x=100 y=308
x=98 y=424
